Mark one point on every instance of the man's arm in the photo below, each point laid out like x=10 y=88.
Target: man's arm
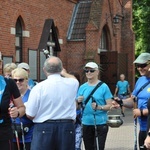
x=106 y=107
x=31 y=118
x=67 y=75
x=129 y=91
x=126 y=102
x=19 y=109
x=116 y=90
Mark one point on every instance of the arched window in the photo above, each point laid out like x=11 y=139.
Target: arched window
x=18 y=41
x=104 y=40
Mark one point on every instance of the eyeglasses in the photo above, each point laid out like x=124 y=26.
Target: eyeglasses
x=141 y=65
x=91 y=71
x=19 y=80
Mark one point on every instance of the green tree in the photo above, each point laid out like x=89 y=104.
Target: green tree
x=141 y=25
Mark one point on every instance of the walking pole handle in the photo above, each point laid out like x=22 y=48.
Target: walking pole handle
x=93 y=101
x=11 y=105
x=120 y=102
x=143 y=147
x=135 y=102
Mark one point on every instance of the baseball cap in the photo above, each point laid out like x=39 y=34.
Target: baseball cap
x=92 y=65
x=142 y=58
x=24 y=65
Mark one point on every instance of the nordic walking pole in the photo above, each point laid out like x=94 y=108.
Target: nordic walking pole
x=15 y=129
x=96 y=135
x=23 y=140
x=121 y=106
x=17 y=138
x=135 y=126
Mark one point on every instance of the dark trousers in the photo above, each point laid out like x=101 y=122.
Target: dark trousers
x=53 y=136
x=90 y=139
x=6 y=145
x=142 y=137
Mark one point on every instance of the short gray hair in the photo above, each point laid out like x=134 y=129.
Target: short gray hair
x=53 y=67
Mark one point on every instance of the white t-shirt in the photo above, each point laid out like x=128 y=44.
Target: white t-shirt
x=53 y=98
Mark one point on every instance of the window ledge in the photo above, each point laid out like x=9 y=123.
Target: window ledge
x=74 y=1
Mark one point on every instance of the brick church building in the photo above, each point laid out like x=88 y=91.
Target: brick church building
x=77 y=31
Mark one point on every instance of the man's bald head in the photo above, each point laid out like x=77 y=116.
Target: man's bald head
x=53 y=65
x=122 y=77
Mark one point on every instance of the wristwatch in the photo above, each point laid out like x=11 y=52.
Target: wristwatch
x=101 y=107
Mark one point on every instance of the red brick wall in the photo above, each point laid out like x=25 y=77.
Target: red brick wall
x=35 y=12
x=121 y=34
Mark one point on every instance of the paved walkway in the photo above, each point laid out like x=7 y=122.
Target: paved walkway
x=121 y=138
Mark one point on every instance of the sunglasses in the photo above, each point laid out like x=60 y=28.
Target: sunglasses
x=19 y=80
x=141 y=65
x=91 y=71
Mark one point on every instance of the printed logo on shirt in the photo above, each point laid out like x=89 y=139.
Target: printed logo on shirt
x=148 y=90
x=1 y=92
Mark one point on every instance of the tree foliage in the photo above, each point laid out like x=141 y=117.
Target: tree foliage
x=141 y=25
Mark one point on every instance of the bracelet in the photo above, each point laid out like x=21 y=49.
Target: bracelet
x=120 y=102
x=141 y=112
x=18 y=114
x=96 y=107
x=101 y=108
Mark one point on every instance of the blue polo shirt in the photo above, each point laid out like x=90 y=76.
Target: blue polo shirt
x=142 y=99
x=101 y=95
x=31 y=83
x=122 y=87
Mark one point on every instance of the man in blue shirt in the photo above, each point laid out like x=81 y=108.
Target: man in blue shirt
x=122 y=89
x=142 y=64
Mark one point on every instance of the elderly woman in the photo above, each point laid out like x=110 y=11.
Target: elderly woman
x=8 y=68
x=20 y=76
x=8 y=90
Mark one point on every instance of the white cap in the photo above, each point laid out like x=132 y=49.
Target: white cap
x=24 y=65
x=92 y=65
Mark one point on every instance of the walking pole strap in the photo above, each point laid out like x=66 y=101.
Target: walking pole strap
x=142 y=87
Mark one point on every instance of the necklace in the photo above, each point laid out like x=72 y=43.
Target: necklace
x=23 y=93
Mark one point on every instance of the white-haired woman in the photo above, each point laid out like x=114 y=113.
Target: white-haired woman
x=20 y=76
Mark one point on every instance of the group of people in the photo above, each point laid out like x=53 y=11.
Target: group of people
x=55 y=107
